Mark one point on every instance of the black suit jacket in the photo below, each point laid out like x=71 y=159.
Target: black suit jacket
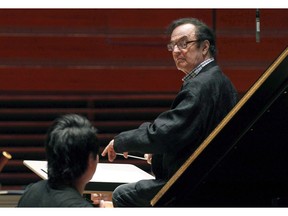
x=198 y=108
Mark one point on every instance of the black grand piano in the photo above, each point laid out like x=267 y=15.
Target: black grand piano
x=244 y=161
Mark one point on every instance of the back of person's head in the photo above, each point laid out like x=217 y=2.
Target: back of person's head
x=203 y=32
x=70 y=140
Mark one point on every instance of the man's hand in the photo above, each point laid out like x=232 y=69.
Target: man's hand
x=110 y=150
x=148 y=157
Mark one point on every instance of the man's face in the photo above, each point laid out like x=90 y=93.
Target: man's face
x=186 y=59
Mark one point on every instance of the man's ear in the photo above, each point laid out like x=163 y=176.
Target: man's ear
x=91 y=159
x=205 y=47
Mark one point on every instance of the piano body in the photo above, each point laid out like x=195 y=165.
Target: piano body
x=244 y=161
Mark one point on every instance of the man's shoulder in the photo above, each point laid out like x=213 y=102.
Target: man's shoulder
x=39 y=184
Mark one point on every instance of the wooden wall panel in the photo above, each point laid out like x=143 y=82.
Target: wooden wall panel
x=84 y=49
x=105 y=80
x=134 y=39
x=239 y=54
x=94 y=20
x=89 y=49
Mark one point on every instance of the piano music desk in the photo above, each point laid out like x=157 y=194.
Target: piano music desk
x=106 y=178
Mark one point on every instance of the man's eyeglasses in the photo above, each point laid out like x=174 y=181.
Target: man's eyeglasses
x=181 y=44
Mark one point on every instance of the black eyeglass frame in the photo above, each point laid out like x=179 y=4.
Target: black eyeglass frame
x=180 y=46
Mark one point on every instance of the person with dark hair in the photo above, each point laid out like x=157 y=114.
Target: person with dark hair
x=205 y=98
x=72 y=151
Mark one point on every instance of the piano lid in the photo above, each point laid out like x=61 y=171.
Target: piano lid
x=244 y=161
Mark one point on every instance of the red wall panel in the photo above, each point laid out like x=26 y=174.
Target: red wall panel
x=79 y=47
x=239 y=54
x=124 y=80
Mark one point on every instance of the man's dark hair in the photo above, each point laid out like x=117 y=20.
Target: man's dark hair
x=203 y=32
x=70 y=140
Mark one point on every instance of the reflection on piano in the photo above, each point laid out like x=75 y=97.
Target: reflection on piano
x=244 y=161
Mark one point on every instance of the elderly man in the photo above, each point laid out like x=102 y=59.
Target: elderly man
x=206 y=96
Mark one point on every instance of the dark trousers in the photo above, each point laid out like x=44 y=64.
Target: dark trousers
x=137 y=194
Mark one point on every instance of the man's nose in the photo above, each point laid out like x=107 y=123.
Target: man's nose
x=175 y=48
